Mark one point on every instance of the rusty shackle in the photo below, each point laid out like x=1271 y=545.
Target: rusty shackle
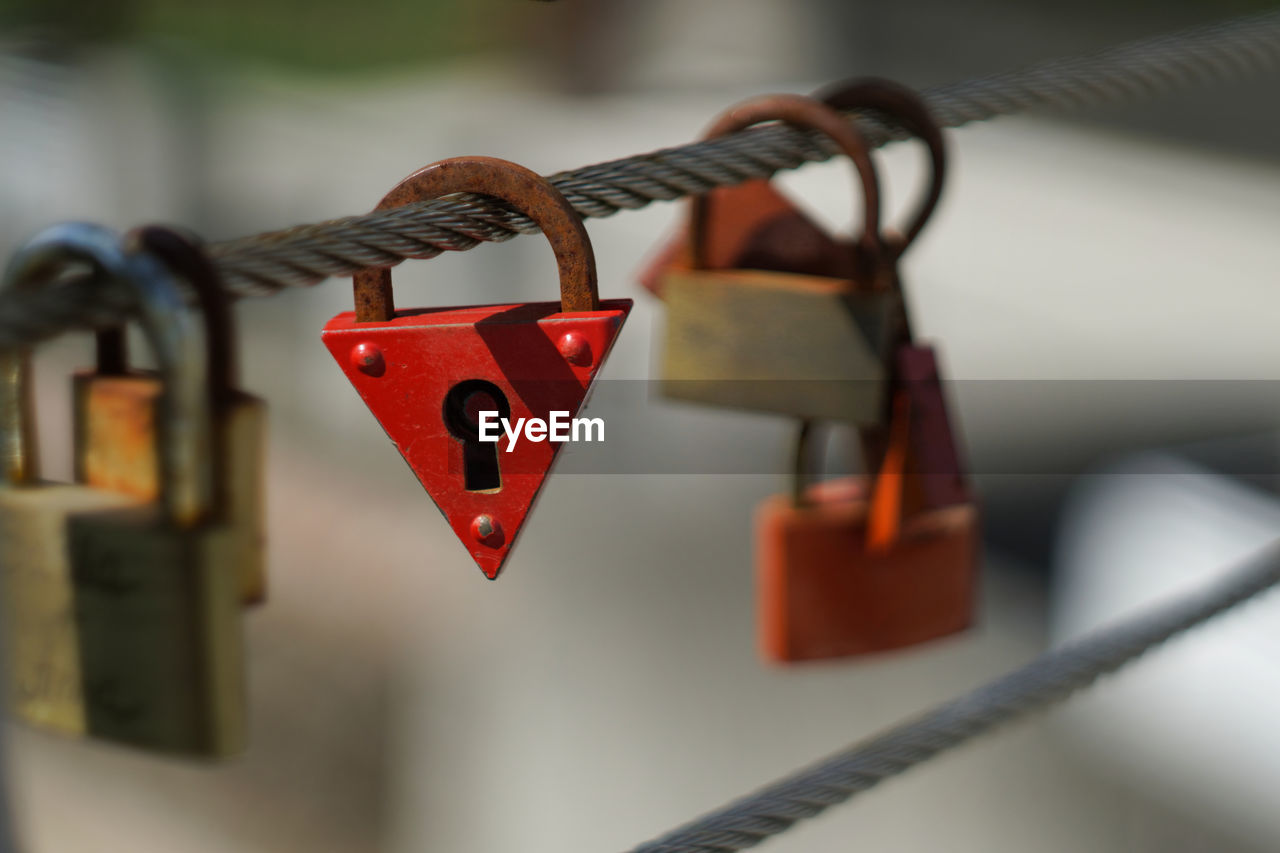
x=888 y=504
x=806 y=114
x=897 y=104
x=183 y=253
x=527 y=192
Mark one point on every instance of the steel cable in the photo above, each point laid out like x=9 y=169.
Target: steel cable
x=1050 y=678
x=305 y=255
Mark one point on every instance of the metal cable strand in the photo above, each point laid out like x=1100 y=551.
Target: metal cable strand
x=305 y=255
x=1051 y=677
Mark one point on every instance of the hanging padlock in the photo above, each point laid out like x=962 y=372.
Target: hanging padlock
x=805 y=326
x=864 y=564
x=139 y=602
x=428 y=375
x=933 y=459
x=115 y=410
x=856 y=565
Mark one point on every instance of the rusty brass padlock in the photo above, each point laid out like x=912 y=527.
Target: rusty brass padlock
x=115 y=410
x=767 y=311
x=858 y=565
x=137 y=603
x=759 y=338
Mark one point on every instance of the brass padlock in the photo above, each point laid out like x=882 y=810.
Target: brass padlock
x=766 y=311
x=115 y=417
x=778 y=336
x=149 y=592
x=858 y=565
x=41 y=652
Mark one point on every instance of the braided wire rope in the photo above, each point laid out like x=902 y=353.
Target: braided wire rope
x=305 y=255
x=1050 y=678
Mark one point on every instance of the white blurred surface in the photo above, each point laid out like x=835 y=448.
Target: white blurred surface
x=1195 y=724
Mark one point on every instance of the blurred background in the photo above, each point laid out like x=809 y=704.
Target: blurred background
x=1092 y=280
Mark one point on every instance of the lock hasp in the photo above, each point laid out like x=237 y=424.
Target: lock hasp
x=539 y=359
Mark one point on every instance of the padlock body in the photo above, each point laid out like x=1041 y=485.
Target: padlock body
x=406 y=369
x=159 y=631
x=115 y=419
x=42 y=651
x=793 y=344
x=822 y=593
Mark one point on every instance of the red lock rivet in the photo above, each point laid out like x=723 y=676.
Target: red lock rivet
x=486 y=530
x=575 y=348
x=367 y=358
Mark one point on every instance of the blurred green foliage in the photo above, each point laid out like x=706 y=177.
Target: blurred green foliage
x=350 y=35
x=68 y=20
x=320 y=35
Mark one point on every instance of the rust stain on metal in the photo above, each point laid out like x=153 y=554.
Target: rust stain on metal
x=117 y=448
x=904 y=107
x=806 y=114
x=752 y=226
x=526 y=191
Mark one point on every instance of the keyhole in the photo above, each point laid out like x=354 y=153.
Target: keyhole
x=462 y=407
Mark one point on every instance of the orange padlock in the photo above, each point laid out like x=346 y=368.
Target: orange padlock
x=857 y=565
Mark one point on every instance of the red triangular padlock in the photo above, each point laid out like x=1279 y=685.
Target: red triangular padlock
x=426 y=374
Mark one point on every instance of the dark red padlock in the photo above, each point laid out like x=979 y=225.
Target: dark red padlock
x=427 y=374
x=858 y=565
